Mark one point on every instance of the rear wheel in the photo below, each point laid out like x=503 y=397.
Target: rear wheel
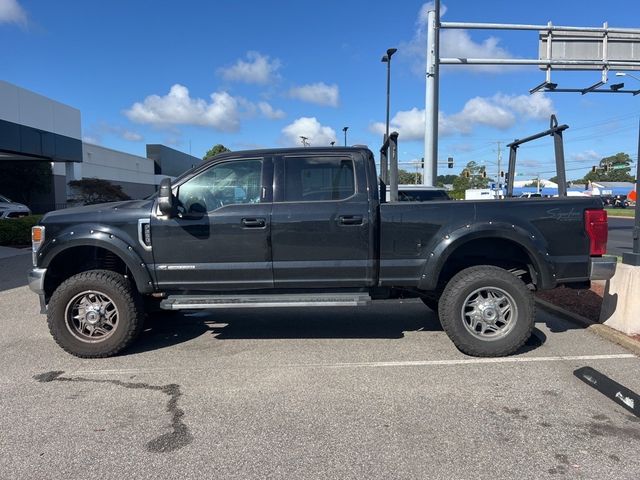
x=95 y=314
x=487 y=311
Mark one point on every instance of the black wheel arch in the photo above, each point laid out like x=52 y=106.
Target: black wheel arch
x=79 y=251
x=489 y=244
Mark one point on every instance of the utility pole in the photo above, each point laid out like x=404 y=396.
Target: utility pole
x=499 y=164
x=430 y=170
x=304 y=139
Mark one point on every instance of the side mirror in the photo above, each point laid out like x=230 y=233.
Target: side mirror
x=165 y=197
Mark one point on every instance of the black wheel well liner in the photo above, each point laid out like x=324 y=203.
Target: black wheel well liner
x=81 y=258
x=500 y=252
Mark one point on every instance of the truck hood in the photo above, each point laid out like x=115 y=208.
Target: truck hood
x=113 y=212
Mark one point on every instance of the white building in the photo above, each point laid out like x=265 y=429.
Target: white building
x=37 y=128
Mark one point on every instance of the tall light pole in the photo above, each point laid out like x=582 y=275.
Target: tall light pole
x=386 y=58
x=633 y=257
x=344 y=129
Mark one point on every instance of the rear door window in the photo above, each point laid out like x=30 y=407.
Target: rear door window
x=318 y=179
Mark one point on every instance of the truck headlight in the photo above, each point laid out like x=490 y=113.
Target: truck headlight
x=37 y=239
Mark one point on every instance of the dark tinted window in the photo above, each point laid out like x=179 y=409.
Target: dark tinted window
x=317 y=179
x=422 y=195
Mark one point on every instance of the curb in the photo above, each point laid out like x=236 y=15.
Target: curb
x=599 y=329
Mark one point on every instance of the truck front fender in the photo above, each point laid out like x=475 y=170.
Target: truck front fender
x=95 y=236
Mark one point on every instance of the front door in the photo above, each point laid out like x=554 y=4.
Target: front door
x=219 y=237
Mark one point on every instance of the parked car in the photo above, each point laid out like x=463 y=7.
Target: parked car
x=307 y=227
x=11 y=209
x=419 y=193
x=531 y=195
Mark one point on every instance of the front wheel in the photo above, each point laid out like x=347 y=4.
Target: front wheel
x=95 y=314
x=487 y=311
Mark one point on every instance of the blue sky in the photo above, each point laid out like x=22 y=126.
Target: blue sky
x=192 y=74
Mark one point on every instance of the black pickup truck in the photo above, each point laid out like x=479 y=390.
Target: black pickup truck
x=308 y=227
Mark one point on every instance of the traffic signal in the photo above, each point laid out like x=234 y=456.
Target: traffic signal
x=501 y=173
x=484 y=174
x=606 y=168
x=594 y=169
x=466 y=174
x=422 y=162
x=450 y=162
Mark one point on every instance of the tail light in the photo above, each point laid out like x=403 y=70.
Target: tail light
x=597 y=227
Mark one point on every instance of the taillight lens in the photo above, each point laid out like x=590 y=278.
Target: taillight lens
x=597 y=227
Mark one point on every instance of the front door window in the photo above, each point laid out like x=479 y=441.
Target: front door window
x=228 y=183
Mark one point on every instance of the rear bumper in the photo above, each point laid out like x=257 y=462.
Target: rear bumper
x=36 y=284
x=602 y=268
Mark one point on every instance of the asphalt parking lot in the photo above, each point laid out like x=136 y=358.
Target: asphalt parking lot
x=620 y=235
x=376 y=392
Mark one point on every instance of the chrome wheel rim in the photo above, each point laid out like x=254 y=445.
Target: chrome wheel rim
x=91 y=316
x=489 y=313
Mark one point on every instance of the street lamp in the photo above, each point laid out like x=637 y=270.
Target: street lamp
x=386 y=58
x=633 y=258
x=344 y=129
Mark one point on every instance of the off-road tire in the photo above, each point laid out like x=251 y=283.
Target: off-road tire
x=486 y=276
x=115 y=286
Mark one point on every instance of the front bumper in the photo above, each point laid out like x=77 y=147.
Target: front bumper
x=36 y=284
x=602 y=268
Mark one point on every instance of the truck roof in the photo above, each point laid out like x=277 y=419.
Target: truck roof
x=290 y=150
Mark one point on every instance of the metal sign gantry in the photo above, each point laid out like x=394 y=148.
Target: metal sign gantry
x=560 y=47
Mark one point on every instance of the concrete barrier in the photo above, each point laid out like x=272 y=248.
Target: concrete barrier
x=621 y=301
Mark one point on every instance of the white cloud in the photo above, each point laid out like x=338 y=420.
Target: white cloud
x=586 y=156
x=453 y=43
x=536 y=106
x=95 y=133
x=409 y=124
x=132 y=136
x=269 y=112
x=499 y=111
x=222 y=112
x=178 y=108
x=319 y=93
x=317 y=134
x=258 y=68
x=12 y=12
x=91 y=139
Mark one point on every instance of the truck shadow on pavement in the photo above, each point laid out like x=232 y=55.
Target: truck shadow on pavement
x=379 y=321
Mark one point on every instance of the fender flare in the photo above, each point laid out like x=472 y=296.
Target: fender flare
x=94 y=237
x=532 y=242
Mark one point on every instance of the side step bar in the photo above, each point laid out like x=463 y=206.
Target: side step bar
x=205 y=302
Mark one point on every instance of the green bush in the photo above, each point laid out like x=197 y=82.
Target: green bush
x=17 y=231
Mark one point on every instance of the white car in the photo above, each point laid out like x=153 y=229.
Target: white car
x=9 y=209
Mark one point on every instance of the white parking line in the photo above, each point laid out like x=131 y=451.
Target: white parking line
x=407 y=363
x=465 y=361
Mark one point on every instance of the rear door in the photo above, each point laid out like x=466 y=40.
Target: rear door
x=321 y=223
